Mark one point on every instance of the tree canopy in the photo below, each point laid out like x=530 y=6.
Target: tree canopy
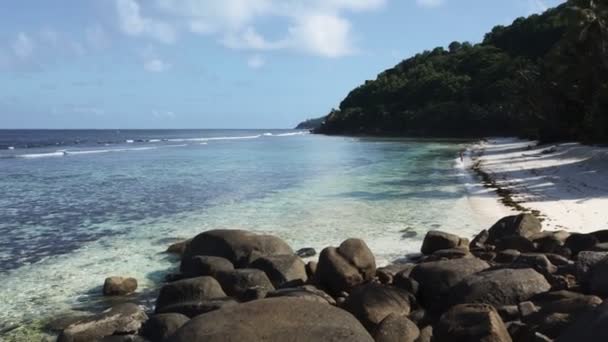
x=544 y=77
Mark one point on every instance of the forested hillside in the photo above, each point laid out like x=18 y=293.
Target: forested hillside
x=545 y=76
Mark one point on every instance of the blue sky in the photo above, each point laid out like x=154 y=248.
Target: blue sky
x=214 y=63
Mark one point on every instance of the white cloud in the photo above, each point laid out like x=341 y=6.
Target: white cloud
x=323 y=35
x=430 y=3
x=156 y=65
x=256 y=62
x=23 y=47
x=134 y=24
x=250 y=39
x=318 y=27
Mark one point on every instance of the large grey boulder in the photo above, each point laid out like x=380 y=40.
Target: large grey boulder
x=274 y=319
x=282 y=269
x=122 y=319
x=598 y=278
x=436 y=278
x=189 y=290
x=590 y=326
x=499 y=287
x=435 y=240
x=581 y=242
x=204 y=265
x=239 y=246
x=343 y=268
x=372 y=303
x=471 y=322
x=306 y=292
x=524 y=225
x=585 y=261
x=240 y=283
x=396 y=328
x=161 y=326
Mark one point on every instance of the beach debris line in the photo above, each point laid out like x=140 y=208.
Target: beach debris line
x=511 y=282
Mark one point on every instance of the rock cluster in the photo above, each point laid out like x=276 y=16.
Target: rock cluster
x=512 y=282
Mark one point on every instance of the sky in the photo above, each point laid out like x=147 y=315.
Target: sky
x=214 y=63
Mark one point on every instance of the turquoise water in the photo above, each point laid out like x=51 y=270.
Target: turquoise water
x=78 y=206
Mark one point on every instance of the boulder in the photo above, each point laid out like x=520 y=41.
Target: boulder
x=122 y=319
x=396 y=328
x=239 y=246
x=343 y=268
x=480 y=240
x=436 y=278
x=436 y=240
x=581 y=242
x=282 y=269
x=566 y=302
x=550 y=242
x=306 y=252
x=426 y=334
x=537 y=261
x=160 y=327
x=471 y=322
x=311 y=269
x=590 y=326
x=194 y=308
x=372 y=303
x=585 y=261
x=452 y=253
x=598 y=278
x=306 y=292
x=240 y=282
x=178 y=248
x=387 y=274
x=274 y=319
x=516 y=242
x=189 y=290
x=499 y=287
x=507 y=256
x=524 y=225
x=204 y=265
x=119 y=286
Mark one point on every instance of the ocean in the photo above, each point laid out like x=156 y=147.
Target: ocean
x=80 y=205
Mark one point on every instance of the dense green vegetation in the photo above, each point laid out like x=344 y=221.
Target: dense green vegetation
x=545 y=77
x=311 y=123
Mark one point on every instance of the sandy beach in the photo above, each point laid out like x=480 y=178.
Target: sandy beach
x=566 y=183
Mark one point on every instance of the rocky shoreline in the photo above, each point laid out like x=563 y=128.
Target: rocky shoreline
x=512 y=282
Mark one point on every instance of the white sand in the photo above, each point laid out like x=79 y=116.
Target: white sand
x=567 y=183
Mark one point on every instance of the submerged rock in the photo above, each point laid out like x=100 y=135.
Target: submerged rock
x=274 y=319
x=122 y=319
x=306 y=252
x=119 y=286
